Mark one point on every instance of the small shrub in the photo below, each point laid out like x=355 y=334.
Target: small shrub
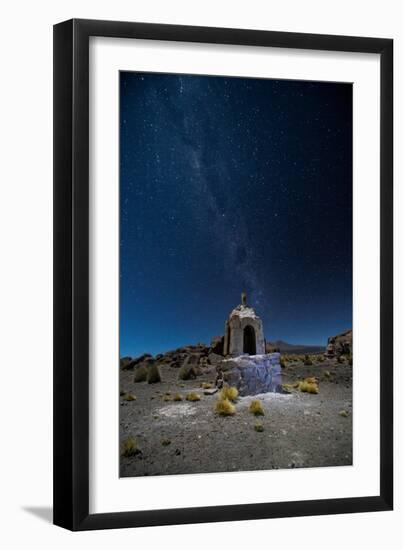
x=165 y=442
x=259 y=427
x=129 y=447
x=206 y=385
x=141 y=374
x=309 y=386
x=177 y=397
x=229 y=392
x=154 y=375
x=344 y=413
x=130 y=397
x=187 y=372
x=166 y=398
x=192 y=396
x=224 y=407
x=340 y=359
x=256 y=407
x=307 y=361
x=282 y=362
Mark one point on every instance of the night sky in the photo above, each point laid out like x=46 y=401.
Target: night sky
x=230 y=184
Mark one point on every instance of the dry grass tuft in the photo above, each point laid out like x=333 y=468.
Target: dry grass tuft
x=344 y=413
x=141 y=374
x=178 y=397
x=154 y=374
x=259 y=427
x=307 y=361
x=229 y=392
x=224 y=407
x=129 y=447
x=206 y=385
x=130 y=397
x=256 y=407
x=309 y=386
x=192 y=396
x=165 y=442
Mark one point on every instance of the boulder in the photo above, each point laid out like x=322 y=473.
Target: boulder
x=251 y=374
x=124 y=361
x=217 y=345
x=341 y=344
x=192 y=359
x=134 y=362
x=214 y=358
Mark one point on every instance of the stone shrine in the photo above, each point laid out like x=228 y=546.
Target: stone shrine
x=244 y=332
x=246 y=365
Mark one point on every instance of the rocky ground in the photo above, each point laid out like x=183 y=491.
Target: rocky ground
x=179 y=437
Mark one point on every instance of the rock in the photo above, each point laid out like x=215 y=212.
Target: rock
x=125 y=361
x=192 y=360
x=251 y=375
x=214 y=358
x=210 y=391
x=217 y=345
x=145 y=358
x=341 y=344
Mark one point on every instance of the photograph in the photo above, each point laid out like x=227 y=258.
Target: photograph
x=235 y=274
x=201 y=224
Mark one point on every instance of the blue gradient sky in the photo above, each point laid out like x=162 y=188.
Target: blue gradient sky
x=231 y=184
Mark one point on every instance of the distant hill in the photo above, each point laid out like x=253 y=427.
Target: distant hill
x=285 y=347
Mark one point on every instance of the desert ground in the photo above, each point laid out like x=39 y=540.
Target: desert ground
x=297 y=430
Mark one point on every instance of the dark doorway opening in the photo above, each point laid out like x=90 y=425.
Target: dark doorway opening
x=249 y=340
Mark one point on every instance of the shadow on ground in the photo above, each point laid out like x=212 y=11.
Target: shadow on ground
x=45 y=513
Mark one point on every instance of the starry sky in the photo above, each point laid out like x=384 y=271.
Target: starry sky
x=230 y=184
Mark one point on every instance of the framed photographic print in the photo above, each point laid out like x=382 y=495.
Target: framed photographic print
x=223 y=228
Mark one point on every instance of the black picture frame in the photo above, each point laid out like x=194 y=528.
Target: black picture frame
x=71 y=274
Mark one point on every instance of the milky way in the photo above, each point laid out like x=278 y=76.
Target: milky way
x=231 y=184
